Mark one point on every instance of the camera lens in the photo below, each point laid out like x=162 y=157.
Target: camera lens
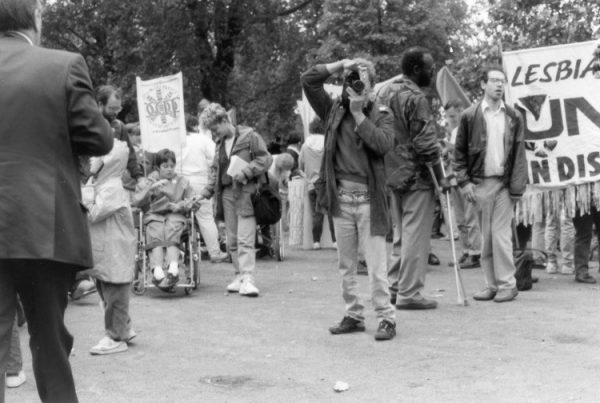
x=358 y=86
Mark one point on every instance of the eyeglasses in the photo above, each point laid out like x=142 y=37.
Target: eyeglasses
x=497 y=80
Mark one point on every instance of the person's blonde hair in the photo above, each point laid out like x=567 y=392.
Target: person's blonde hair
x=213 y=113
x=284 y=162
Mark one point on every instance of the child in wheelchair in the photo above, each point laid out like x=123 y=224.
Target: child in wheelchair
x=165 y=197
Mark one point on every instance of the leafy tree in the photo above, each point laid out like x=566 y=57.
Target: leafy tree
x=238 y=53
x=502 y=25
x=383 y=29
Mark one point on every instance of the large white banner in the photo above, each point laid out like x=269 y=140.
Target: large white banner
x=555 y=89
x=162 y=118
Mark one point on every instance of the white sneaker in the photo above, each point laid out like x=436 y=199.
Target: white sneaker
x=248 y=289
x=235 y=285
x=335 y=245
x=14 y=381
x=108 y=346
x=551 y=267
x=317 y=245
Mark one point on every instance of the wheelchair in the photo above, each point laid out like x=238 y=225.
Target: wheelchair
x=189 y=263
x=270 y=242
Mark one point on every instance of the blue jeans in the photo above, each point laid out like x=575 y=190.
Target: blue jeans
x=241 y=235
x=353 y=232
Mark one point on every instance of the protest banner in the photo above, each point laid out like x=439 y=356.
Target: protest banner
x=161 y=113
x=555 y=90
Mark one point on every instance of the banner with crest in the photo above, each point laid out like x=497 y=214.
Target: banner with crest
x=555 y=90
x=161 y=113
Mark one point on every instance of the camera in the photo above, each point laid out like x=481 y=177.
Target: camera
x=354 y=82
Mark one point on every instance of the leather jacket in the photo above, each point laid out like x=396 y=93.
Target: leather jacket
x=471 y=145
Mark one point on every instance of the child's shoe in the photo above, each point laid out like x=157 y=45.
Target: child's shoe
x=15 y=380
x=172 y=279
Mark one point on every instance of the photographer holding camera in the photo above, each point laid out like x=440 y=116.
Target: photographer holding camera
x=351 y=184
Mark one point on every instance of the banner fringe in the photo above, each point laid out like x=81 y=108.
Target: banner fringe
x=535 y=205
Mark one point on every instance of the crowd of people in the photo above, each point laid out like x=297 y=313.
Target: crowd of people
x=375 y=166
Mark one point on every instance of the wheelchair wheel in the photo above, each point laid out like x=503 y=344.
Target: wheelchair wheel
x=193 y=258
x=278 y=243
x=138 y=285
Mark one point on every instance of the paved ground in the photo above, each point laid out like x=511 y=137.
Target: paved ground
x=544 y=347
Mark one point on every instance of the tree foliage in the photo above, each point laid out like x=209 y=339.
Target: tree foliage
x=383 y=29
x=249 y=54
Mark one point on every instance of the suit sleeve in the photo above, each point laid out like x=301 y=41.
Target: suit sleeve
x=90 y=133
x=519 y=177
x=461 y=151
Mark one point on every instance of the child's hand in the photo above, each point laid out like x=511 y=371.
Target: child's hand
x=158 y=185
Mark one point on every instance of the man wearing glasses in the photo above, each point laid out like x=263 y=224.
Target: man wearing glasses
x=490 y=165
x=109 y=102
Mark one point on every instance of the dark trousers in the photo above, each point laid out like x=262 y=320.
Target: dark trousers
x=318 y=217
x=42 y=287
x=583 y=238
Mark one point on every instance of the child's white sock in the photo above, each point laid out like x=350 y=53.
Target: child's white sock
x=173 y=268
x=158 y=273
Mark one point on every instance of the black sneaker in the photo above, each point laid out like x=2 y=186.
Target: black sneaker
x=433 y=260
x=386 y=330
x=472 y=262
x=460 y=261
x=347 y=325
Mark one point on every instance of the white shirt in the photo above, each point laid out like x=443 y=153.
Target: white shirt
x=195 y=160
x=495 y=122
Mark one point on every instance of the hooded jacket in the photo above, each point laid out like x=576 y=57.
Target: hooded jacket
x=111 y=222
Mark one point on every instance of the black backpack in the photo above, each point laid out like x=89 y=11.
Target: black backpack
x=267 y=204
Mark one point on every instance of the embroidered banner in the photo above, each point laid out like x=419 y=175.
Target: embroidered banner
x=160 y=107
x=555 y=90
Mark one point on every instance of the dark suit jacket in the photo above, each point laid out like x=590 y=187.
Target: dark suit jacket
x=49 y=117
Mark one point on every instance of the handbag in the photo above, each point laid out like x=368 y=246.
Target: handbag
x=524 y=262
x=267 y=204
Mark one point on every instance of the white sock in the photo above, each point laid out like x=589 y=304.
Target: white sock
x=158 y=273
x=173 y=268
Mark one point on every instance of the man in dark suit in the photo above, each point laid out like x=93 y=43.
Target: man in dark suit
x=49 y=118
